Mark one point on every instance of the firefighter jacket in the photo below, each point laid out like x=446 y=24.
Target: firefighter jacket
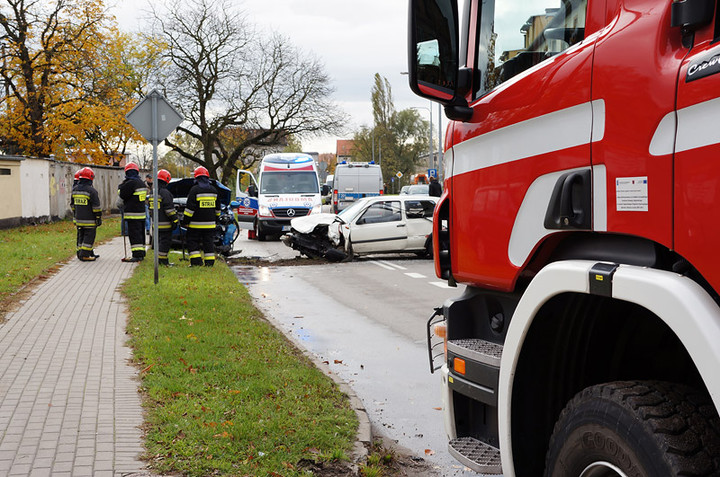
x=167 y=216
x=203 y=205
x=85 y=204
x=133 y=193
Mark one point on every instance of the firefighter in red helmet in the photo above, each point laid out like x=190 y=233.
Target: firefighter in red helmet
x=167 y=216
x=87 y=214
x=133 y=193
x=200 y=217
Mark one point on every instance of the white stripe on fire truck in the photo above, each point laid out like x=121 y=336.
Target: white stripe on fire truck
x=696 y=127
x=574 y=126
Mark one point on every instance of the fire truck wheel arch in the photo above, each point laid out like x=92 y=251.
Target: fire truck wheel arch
x=680 y=303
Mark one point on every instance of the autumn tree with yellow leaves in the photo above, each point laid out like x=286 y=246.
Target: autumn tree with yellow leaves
x=68 y=79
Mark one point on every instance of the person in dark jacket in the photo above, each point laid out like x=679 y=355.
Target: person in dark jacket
x=167 y=216
x=434 y=189
x=200 y=217
x=133 y=193
x=87 y=214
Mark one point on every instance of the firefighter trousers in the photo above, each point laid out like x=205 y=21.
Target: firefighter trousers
x=164 y=242
x=201 y=246
x=85 y=242
x=136 y=236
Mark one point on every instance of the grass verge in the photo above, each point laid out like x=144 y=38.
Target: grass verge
x=34 y=250
x=226 y=393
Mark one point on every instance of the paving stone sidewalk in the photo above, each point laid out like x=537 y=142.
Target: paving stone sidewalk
x=69 y=402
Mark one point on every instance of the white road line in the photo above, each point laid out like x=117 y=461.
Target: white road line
x=440 y=284
x=390 y=264
x=380 y=264
x=415 y=275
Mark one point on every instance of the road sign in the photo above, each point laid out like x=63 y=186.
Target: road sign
x=399 y=174
x=154 y=118
x=165 y=117
x=432 y=173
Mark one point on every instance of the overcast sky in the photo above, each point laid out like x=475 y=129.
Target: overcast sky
x=354 y=39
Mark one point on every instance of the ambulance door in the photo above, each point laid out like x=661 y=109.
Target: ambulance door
x=245 y=205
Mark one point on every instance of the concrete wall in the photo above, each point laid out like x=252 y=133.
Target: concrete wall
x=10 y=200
x=38 y=190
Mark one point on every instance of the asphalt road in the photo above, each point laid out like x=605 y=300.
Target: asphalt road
x=366 y=319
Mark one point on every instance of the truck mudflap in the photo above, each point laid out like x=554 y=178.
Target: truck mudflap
x=435 y=343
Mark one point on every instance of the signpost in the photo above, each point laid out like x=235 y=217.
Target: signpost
x=154 y=118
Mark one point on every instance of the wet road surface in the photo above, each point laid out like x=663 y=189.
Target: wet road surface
x=366 y=320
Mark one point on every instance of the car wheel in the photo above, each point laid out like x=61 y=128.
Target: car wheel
x=350 y=255
x=259 y=232
x=644 y=428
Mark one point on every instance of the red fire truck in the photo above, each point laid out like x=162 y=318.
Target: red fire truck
x=582 y=184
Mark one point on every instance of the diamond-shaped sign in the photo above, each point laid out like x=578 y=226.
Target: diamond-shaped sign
x=166 y=117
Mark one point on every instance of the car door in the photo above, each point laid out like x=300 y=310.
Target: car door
x=380 y=228
x=419 y=214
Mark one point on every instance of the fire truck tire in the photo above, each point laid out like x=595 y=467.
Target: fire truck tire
x=637 y=428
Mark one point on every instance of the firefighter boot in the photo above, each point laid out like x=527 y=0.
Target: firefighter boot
x=163 y=261
x=196 y=262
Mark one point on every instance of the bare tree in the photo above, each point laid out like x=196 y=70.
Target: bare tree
x=238 y=90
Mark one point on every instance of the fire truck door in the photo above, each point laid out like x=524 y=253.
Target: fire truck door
x=697 y=148
x=532 y=122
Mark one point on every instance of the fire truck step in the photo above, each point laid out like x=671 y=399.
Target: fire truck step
x=478 y=350
x=478 y=456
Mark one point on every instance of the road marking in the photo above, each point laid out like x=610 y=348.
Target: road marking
x=390 y=264
x=380 y=264
x=415 y=275
x=440 y=284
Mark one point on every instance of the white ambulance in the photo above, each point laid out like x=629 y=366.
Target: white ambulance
x=289 y=187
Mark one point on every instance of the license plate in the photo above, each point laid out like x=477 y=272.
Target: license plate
x=286 y=228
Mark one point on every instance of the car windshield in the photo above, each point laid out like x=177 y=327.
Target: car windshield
x=349 y=213
x=418 y=189
x=289 y=183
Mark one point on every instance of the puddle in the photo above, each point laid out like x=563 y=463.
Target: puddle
x=249 y=275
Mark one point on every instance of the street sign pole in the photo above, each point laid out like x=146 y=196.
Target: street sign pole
x=154 y=118
x=156 y=202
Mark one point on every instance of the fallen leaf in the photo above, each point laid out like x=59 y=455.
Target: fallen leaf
x=429 y=452
x=438 y=408
x=338 y=361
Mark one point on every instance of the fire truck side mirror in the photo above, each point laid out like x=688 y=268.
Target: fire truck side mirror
x=433 y=53
x=691 y=14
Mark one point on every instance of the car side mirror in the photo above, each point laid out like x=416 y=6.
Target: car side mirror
x=361 y=221
x=252 y=191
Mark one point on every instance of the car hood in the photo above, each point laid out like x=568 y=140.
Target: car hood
x=180 y=188
x=307 y=224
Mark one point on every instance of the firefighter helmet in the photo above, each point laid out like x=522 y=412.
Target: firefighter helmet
x=164 y=175
x=86 y=173
x=201 y=171
x=77 y=174
x=131 y=166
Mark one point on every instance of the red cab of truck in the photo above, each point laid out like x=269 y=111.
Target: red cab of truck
x=581 y=213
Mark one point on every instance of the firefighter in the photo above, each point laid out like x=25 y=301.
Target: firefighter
x=87 y=214
x=201 y=214
x=167 y=216
x=133 y=194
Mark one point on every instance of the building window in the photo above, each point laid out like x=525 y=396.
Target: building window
x=5 y=171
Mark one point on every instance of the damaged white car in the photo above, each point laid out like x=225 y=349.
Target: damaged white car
x=384 y=224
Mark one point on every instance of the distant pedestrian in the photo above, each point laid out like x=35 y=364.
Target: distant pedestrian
x=202 y=211
x=133 y=192
x=167 y=216
x=87 y=214
x=434 y=189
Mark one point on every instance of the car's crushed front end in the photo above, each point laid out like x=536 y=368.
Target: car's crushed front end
x=316 y=236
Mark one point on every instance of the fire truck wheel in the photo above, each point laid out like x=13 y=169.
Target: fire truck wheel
x=638 y=428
